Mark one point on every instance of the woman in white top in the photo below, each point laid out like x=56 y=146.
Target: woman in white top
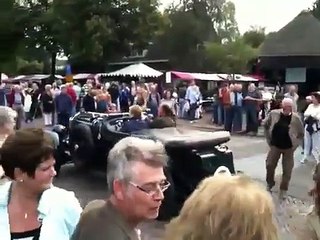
x=312 y=127
x=30 y=206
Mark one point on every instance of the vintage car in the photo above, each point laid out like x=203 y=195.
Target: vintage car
x=193 y=154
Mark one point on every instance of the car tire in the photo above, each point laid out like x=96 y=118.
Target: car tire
x=82 y=145
x=169 y=207
x=59 y=161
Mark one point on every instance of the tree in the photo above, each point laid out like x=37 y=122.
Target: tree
x=11 y=32
x=231 y=57
x=42 y=31
x=227 y=29
x=97 y=31
x=28 y=67
x=191 y=24
x=255 y=36
x=221 y=14
x=316 y=9
x=182 y=40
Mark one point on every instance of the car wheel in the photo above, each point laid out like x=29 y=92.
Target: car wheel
x=169 y=207
x=82 y=146
x=79 y=162
x=59 y=161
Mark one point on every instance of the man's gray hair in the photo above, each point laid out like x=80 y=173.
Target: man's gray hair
x=132 y=149
x=287 y=102
x=7 y=116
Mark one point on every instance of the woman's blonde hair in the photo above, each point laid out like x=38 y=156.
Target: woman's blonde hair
x=225 y=207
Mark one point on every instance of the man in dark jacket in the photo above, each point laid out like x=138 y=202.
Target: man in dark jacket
x=88 y=102
x=64 y=107
x=284 y=132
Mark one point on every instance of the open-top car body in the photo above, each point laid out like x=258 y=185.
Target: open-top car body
x=193 y=154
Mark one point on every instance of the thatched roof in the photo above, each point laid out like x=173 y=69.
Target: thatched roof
x=300 y=37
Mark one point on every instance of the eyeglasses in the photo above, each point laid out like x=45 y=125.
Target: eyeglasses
x=152 y=188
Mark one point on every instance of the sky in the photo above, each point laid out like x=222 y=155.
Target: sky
x=271 y=14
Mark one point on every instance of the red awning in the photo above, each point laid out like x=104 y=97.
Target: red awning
x=257 y=76
x=182 y=75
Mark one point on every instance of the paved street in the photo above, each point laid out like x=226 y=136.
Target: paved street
x=249 y=155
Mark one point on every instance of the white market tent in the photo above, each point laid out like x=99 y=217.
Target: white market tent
x=209 y=77
x=136 y=70
x=80 y=76
x=4 y=76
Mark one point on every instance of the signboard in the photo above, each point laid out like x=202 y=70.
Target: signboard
x=69 y=76
x=296 y=75
x=168 y=77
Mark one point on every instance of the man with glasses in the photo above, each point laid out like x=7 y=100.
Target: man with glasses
x=136 y=182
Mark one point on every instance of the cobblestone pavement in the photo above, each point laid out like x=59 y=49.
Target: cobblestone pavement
x=249 y=155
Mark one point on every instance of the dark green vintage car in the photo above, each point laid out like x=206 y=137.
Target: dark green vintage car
x=193 y=154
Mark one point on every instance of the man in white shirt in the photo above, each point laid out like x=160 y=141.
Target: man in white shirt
x=292 y=93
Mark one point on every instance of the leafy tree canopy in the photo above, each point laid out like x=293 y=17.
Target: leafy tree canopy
x=191 y=25
x=316 y=9
x=231 y=57
x=11 y=30
x=255 y=36
x=104 y=30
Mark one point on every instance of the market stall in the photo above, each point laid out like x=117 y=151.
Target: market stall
x=139 y=70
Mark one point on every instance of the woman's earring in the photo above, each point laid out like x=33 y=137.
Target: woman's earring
x=20 y=181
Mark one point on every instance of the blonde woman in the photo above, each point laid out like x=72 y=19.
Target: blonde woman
x=7 y=123
x=225 y=207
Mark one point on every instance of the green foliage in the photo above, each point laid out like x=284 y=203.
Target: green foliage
x=316 y=9
x=105 y=30
x=85 y=30
x=191 y=25
x=254 y=37
x=25 y=67
x=231 y=57
x=221 y=14
x=93 y=32
x=11 y=30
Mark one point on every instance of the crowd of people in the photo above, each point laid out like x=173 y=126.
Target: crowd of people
x=61 y=101
x=234 y=103
x=222 y=206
